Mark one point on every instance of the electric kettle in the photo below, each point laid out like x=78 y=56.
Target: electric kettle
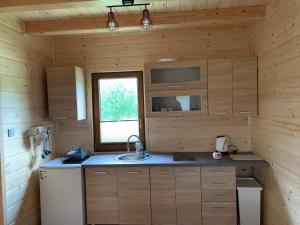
x=222 y=143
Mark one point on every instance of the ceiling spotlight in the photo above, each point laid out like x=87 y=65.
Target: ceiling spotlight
x=146 y=22
x=111 y=24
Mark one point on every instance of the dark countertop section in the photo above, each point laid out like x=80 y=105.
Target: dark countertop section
x=166 y=159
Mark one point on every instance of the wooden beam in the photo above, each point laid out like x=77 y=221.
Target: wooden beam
x=160 y=20
x=9 y=6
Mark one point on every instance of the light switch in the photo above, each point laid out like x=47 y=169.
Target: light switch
x=11 y=132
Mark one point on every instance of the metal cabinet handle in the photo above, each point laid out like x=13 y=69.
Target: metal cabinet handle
x=218 y=183
x=164 y=172
x=100 y=172
x=219 y=207
x=176 y=114
x=62 y=117
x=245 y=112
x=132 y=172
x=188 y=173
x=221 y=113
x=175 y=86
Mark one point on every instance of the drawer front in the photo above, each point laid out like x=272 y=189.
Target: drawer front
x=211 y=195
x=162 y=178
x=100 y=176
x=133 y=178
x=219 y=213
x=187 y=178
x=218 y=183
x=218 y=172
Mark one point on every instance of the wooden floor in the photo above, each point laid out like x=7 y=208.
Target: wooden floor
x=276 y=132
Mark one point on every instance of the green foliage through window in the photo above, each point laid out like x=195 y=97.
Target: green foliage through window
x=118 y=99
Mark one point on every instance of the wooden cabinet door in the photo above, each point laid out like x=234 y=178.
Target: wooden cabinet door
x=66 y=93
x=134 y=195
x=220 y=87
x=176 y=75
x=163 y=201
x=101 y=195
x=244 y=86
x=176 y=103
x=188 y=195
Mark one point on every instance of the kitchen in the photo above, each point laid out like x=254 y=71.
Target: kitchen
x=220 y=37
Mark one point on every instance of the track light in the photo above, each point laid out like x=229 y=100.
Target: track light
x=146 y=22
x=111 y=24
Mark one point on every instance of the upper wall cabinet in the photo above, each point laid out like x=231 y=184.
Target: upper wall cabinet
x=176 y=75
x=220 y=87
x=176 y=103
x=66 y=93
x=244 y=86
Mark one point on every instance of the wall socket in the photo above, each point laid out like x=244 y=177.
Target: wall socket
x=11 y=132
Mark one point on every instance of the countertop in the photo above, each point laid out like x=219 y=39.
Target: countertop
x=203 y=159
x=157 y=159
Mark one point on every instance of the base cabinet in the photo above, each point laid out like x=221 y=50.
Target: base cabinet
x=161 y=195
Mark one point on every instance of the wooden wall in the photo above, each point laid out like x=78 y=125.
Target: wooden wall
x=129 y=52
x=23 y=104
x=276 y=131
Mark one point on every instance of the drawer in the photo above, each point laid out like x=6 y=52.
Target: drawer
x=187 y=178
x=218 y=172
x=162 y=178
x=104 y=178
x=218 y=183
x=215 y=195
x=219 y=213
x=133 y=178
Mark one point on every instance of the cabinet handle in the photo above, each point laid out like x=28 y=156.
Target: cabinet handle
x=219 y=207
x=175 y=86
x=176 y=114
x=218 y=183
x=132 y=172
x=62 y=117
x=188 y=173
x=163 y=172
x=221 y=113
x=100 y=172
x=245 y=112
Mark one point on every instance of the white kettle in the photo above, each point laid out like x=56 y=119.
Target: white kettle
x=222 y=143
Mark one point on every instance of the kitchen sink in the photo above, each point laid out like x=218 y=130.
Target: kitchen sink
x=133 y=157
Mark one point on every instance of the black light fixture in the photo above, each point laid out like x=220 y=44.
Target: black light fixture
x=146 y=22
x=111 y=23
x=128 y=2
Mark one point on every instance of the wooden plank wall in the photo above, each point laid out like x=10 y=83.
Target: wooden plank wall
x=129 y=52
x=23 y=104
x=276 y=131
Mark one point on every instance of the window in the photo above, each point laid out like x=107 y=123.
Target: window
x=118 y=109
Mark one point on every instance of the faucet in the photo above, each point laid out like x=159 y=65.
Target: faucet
x=138 y=145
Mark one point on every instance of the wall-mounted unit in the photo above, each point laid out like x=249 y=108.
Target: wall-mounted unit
x=66 y=93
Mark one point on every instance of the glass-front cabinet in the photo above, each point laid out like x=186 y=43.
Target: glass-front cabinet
x=176 y=75
x=176 y=103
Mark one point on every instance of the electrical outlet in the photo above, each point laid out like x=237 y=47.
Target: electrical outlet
x=11 y=132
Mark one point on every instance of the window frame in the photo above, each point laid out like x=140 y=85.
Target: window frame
x=114 y=147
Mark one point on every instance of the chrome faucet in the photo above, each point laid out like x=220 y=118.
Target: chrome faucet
x=138 y=145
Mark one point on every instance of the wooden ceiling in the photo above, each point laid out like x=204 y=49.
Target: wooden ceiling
x=98 y=8
x=62 y=16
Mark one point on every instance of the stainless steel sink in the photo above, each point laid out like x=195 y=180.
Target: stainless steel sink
x=133 y=157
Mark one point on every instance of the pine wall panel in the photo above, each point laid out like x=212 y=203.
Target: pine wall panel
x=129 y=51
x=23 y=104
x=276 y=131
